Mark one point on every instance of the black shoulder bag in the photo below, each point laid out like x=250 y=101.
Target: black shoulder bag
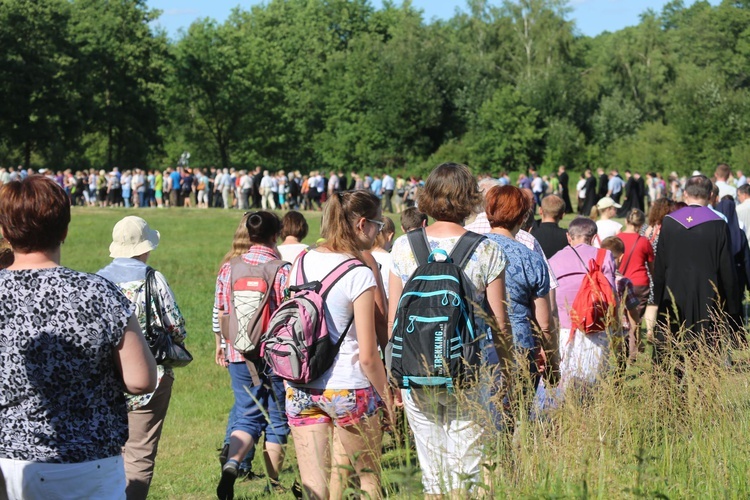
x=166 y=351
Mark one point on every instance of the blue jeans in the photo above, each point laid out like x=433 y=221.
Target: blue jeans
x=247 y=416
x=142 y=199
x=247 y=462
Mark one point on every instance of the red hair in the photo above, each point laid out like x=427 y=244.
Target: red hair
x=507 y=206
x=34 y=214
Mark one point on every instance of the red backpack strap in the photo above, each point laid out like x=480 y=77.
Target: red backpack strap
x=600 y=254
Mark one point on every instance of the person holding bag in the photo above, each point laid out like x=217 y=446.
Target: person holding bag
x=164 y=328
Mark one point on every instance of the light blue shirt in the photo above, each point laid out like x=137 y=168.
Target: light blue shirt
x=375 y=187
x=615 y=185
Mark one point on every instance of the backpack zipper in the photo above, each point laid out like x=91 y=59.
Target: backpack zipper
x=422 y=319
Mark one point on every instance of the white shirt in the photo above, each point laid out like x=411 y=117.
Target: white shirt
x=726 y=189
x=388 y=183
x=579 y=188
x=743 y=215
x=537 y=185
x=291 y=251
x=384 y=261
x=606 y=228
x=346 y=372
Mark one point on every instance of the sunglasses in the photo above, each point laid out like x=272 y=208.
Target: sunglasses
x=380 y=224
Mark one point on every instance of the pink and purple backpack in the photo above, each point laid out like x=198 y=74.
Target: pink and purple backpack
x=297 y=345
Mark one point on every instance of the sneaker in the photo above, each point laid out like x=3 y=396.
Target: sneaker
x=224 y=455
x=229 y=472
x=275 y=486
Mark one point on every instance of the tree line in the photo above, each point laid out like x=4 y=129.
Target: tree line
x=310 y=84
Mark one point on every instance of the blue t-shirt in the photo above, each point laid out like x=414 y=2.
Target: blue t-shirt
x=526 y=279
x=175 y=176
x=375 y=187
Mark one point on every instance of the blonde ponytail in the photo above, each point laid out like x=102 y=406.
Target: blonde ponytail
x=594 y=214
x=340 y=215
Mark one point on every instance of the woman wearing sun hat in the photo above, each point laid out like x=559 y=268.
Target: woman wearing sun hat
x=132 y=243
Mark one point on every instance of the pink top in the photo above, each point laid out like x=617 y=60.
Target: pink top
x=570 y=272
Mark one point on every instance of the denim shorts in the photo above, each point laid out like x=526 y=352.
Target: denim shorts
x=342 y=407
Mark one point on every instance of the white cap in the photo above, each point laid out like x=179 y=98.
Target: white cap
x=132 y=237
x=607 y=202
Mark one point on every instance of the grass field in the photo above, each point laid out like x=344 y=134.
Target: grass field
x=637 y=438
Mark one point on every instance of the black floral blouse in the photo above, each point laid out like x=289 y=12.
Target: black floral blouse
x=61 y=397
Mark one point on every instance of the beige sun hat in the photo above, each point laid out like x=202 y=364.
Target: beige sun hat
x=132 y=237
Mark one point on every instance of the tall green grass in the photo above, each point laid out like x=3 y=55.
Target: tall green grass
x=639 y=436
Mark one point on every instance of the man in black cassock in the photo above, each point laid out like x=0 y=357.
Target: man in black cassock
x=693 y=263
x=562 y=176
x=589 y=189
x=631 y=191
x=603 y=187
x=641 y=195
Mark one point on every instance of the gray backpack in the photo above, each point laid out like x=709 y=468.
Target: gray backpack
x=249 y=312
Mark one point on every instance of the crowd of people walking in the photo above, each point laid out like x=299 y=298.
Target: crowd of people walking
x=435 y=323
x=221 y=188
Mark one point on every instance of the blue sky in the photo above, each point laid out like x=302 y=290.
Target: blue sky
x=591 y=16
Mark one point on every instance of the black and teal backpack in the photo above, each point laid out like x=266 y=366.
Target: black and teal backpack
x=434 y=341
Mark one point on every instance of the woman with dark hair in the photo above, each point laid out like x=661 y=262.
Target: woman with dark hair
x=659 y=209
x=6 y=254
x=294 y=229
x=342 y=405
x=449 y=438
x=258 y=396
x=527 y=281
x=71 y=349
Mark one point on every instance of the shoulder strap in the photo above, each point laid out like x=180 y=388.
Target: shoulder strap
x=150 y=277
x=600 y=256
x=632 y=251
x=464 y=248
x=329 y=281
x=579 y=257
x=419 y=244
x=301 y=278
x=334 y=276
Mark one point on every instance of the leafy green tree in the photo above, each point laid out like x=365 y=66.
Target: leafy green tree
x=383 y=100
x=226 y=83
x=39 y=68
x=505 y=135
x=125 y=68
x=565 y=144
x=617 y=117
